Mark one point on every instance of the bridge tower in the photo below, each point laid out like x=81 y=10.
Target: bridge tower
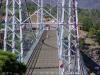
x=70 y=61
x=19 y=33
x=18 y=27
x=13 y=28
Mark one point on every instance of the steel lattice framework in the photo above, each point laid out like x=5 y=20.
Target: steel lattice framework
x=18 y=26
x=13 y=21
x=70 y=61
x=18 y=33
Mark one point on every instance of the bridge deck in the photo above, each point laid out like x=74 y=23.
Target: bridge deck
x=47 y=61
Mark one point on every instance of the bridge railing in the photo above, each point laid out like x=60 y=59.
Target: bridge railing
x=84 y=69
x=33 y=49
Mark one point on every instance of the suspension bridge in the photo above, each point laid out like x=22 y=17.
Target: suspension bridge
x=47 y=47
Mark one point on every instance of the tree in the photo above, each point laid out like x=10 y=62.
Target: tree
x=9 y=64
x=31 y=7
x=1 y=26
x=92 y=31
x=87 y=23
x=81 y=43
x=98 y=36
x=89 y=19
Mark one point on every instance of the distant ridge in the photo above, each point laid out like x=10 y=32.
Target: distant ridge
x=81 y=3
x=95 y=4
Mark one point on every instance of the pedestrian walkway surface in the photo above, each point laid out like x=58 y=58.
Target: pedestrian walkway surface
x=47 y=63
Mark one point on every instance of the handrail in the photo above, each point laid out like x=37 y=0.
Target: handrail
x=28 y=55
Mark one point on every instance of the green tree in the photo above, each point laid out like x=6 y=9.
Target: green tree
x=31 y=7
x=92 y=31
x=98 y=36
x=81 y=43
x=1 y=25
x=87 y=23
x=9 y=64
x=90 y=18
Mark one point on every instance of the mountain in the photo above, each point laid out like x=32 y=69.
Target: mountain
x=81 y=3
x=89 y=4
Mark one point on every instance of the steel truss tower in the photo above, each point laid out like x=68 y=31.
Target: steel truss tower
x=13 y=28
x=18 y=26
x=70 y=61
x=18 y=32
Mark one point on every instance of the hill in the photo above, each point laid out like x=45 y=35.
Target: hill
x=89 y=4
x=81 y=3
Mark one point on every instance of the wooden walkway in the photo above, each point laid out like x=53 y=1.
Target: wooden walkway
x=47 y=61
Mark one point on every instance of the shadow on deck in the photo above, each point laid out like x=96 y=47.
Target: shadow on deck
x=91 y=65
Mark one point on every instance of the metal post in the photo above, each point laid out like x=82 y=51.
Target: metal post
x=69 y=56
x=69 y=35
x=38 y=18
x=5 y=31
x=76 y=3
x=13 y=28
x=62 y=33
x=12 y=37
x=21 y=36
x=42 y=26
